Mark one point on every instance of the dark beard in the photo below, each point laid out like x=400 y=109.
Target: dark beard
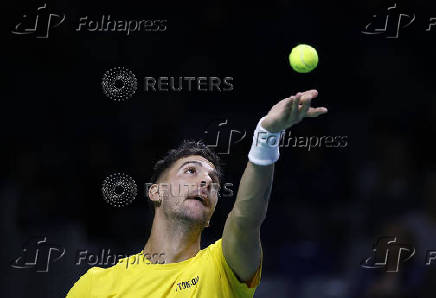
x=183 y=219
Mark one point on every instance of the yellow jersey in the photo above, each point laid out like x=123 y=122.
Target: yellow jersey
x=207 y=274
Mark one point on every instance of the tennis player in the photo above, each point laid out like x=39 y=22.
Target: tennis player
x=172 y=263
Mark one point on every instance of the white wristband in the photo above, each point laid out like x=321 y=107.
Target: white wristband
x=265 y=147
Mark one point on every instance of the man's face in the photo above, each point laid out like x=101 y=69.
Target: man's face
x=191 y=190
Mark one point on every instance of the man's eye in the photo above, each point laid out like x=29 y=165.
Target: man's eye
x=192 y=170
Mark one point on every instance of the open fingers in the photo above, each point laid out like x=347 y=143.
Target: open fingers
x=315 y=112
x=305 y=102
x=305 y=109
x=295 y=104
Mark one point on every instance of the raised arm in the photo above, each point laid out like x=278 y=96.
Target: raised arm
x=241 y=237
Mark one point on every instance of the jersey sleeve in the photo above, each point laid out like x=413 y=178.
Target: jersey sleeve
x=246 y=289
x=82 y=287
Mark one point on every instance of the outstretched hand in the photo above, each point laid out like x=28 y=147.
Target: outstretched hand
x=292 y=110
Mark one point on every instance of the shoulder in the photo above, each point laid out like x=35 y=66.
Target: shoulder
x=215 y=245
x=95 y=275
x=83 y=286
x=215 y=250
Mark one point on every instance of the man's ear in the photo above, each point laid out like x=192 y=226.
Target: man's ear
x=153 y=194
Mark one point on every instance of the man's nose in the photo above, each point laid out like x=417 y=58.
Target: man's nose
x=205 y=181
x=204 y=184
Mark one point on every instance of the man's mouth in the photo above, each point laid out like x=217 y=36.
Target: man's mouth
x=203 y=199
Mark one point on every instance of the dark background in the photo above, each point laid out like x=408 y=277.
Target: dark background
x=61 y=136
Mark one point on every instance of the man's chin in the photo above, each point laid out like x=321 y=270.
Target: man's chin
x=197 y=220
x=190 y=213
x=194 y=218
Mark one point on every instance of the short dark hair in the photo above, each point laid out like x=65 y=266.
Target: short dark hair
x=186 y=148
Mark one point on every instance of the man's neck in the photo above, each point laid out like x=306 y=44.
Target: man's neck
x=177 y=240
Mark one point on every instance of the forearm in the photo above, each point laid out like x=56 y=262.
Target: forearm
x=241 y=236
x=253 y=196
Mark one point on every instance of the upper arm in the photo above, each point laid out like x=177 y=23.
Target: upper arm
x=241 y=248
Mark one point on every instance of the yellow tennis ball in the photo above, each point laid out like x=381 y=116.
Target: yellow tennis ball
x=303 y=58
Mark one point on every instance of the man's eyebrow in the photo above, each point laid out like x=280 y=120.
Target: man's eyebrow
x=213 y=172
x=190 y=161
